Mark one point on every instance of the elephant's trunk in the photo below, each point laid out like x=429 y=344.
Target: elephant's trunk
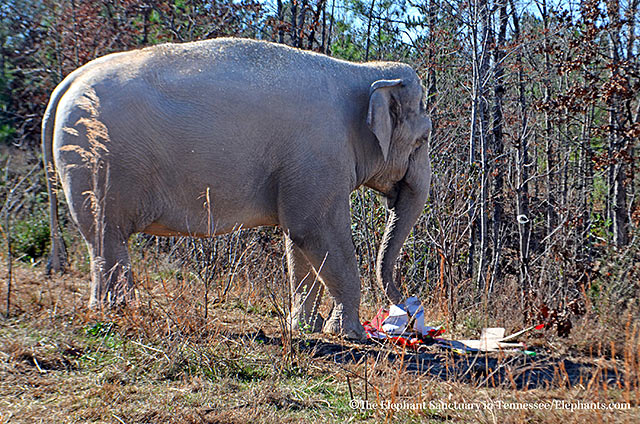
x=405 y=206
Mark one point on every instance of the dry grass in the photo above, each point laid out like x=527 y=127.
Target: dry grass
x=160 y=360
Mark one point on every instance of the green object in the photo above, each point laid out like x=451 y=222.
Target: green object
x=30 y=238
x=529 y=352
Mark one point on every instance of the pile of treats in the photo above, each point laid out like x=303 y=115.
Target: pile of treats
x=403 y=324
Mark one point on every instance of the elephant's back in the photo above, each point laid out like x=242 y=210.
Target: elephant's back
x=268 y=69
x=254 y=55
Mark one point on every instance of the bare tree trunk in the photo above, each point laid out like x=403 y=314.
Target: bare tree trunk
x=316 y=22
x=479 y=30
x=431 y=72
x=145 y=35
x=328 y=49
x=482 y=56
x=380 y=45
x=280 y=22
x=498 y=143
x=522 y=173
x=551 y=220
x=631 y=18
x=301 y=23
x=370 y=18
x=294 y=23
x=472 y=165
x=617 y=168
x=323 y=47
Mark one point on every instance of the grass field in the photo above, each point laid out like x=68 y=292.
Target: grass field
x=159 y=360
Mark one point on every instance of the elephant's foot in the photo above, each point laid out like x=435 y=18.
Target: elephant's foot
x=343 y=325
x=58 y=256
x=312 y=324
x=112 y=299
x=107 y=294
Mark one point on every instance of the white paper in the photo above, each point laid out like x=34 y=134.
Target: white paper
x=396 y=322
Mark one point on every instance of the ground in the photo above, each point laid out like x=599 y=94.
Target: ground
x=161 y=361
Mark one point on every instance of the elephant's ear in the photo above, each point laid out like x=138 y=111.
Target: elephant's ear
x=379 y=114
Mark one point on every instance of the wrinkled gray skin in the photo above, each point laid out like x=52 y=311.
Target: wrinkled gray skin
x=273 y=135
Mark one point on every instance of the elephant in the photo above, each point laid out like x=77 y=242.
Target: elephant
x=200 y=138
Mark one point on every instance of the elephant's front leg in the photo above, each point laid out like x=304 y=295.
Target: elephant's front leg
x=306 y=291
x=325 y=240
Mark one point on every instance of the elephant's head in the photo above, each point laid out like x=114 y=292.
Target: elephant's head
x=398 y=119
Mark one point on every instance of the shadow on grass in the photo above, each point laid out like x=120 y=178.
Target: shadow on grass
x=507 y=370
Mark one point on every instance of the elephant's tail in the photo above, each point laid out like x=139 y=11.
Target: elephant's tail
x=58 y=255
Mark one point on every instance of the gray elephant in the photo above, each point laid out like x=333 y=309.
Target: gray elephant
x=198 y=138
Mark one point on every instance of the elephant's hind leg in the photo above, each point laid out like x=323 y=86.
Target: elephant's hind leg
x=306 y=291
x=111 y=278
x=103 y=213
